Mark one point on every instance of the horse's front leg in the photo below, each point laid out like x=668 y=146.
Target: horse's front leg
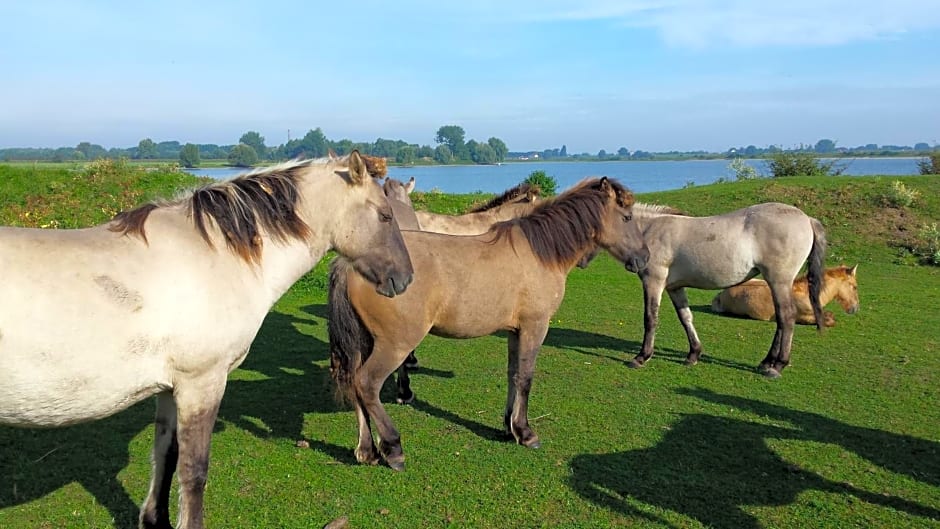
x=197 y=403
x=681 y=302
x=652 y=294
x=365 y=448
x=155 y=511
x=785 y=312
x=372 y=374
x=526 y=343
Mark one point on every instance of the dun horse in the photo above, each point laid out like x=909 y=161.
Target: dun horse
x=752 y=299
x=511 y=278
x=770 y=239
x=515 y=202
x=166 y=299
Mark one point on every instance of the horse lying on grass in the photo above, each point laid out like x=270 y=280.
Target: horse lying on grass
x=511 y=278
x=752 y=299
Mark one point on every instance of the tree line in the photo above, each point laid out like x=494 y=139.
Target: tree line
x=452 y=147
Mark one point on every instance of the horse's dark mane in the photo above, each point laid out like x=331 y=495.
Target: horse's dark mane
x=240 y=207
x=561 y=229
x=510 y=195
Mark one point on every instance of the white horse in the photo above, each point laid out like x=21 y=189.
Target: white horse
x=772 y=239
x=166 y=299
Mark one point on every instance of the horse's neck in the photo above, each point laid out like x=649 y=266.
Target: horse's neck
x=510 y=211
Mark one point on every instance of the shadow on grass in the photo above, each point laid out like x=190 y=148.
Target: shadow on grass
x=709 y=467
x=35 y=463
x=587 y=342
x=486 y=432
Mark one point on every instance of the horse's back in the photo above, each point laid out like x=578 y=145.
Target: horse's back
x=464 y=286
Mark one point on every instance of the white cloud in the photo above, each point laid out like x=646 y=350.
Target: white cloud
x=746 y=23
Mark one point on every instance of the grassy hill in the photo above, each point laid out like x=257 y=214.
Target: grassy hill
x=847 y=437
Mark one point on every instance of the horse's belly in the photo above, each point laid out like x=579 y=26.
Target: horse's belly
x=49 y=390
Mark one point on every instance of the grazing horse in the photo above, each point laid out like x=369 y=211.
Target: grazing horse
x=770 y=239
x=166 y=299
x=511 y=278
x=752 y=299
x=514 y=202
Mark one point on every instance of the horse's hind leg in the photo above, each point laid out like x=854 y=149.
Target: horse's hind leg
x=785 y=312
x=524 y=349
x=403 y=383
x=197 y=403
x=155 y=512
x=412 y=361
x=681 y=302
x=652 y=294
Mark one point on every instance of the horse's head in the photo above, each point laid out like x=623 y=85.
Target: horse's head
x=399 y=199
x=847 y=293
x=364 y=227
x=399 y=191
x=620 y=234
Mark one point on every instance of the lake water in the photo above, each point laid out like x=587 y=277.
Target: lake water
x=640 y=177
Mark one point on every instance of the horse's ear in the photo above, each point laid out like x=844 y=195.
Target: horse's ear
x=410 y=186
x=853 y=270
x=357 y=168
x=332 y=154
x=605 y=185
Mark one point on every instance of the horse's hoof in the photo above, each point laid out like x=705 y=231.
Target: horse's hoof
x=534 y=444
x=397 y=465
x=635 y=364
x=367 y=457
x=405 y=400
x=691 y=361
x=771 y=373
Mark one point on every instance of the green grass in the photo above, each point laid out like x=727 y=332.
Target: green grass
x=847 y=437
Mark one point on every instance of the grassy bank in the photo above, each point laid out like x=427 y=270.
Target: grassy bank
x=848 y=436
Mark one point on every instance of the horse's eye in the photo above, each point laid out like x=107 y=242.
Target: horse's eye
x=627 y=218
x=385 y=216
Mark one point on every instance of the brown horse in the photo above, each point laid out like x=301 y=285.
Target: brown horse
x=511 y=278
x=752 y=299
x=514 y=202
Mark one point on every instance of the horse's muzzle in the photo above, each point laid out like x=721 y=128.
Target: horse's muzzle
x=637 y=264
x=393 y=286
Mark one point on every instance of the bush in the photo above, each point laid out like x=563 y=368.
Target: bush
x=741 y=170
x=929 y=165
x=794 y=163
x=926 y=244
x=899 y=196
x=546 y=183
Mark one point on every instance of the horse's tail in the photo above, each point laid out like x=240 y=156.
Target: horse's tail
x=816 y=270
x=350 y=340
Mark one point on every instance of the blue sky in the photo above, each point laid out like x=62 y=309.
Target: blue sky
x=598 y=74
